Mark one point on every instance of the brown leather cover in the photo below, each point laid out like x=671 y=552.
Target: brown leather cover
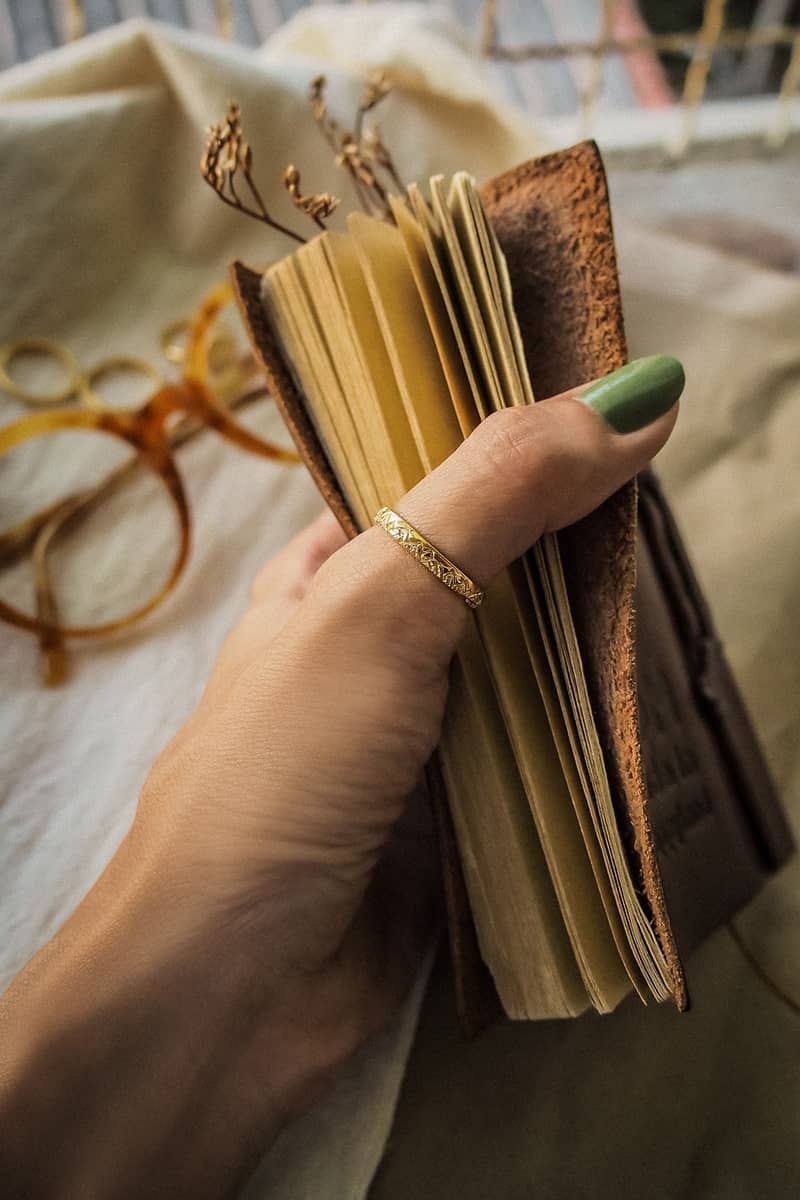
x=711 y=829
x=717 y=823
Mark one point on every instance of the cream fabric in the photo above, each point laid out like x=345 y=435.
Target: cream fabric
x=107 y=233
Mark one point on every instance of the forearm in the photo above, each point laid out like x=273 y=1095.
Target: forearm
x=126 y=1049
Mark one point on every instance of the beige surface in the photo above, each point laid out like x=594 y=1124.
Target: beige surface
x=107 y=232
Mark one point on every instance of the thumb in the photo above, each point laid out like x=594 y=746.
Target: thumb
x=526 y=471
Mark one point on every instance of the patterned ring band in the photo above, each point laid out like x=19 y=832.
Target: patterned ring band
x=431 y=558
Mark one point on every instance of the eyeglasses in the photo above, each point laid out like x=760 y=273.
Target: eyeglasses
x=77 y=464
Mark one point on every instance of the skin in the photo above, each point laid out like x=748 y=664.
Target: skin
x=269 y=906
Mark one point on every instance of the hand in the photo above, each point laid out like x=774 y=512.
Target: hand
x=253 y=927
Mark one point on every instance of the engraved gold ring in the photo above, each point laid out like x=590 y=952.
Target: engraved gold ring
x=432 y=559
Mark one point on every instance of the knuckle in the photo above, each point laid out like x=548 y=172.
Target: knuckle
x=511 y=441
x=524 y=446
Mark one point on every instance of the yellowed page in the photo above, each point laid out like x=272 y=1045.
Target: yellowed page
x=486 y=285
x=284 y=296
x=437 y=255
x=561 y=831
x=524 y=937
x=521 y=931
x=440 y=325
x=336 y=369
x=412 y=350
x=544 y=661
x=494 y=253
x=574 y=699
x=363 y=416
x=368 y=345
x=491 y=392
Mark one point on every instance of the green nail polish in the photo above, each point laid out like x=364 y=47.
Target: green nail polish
x=635 y=395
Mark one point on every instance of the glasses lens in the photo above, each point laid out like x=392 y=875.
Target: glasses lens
x=122 y=382
x=39 y=371
x=85 y=523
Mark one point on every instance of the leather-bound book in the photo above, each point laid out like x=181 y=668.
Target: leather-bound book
x=602 y=803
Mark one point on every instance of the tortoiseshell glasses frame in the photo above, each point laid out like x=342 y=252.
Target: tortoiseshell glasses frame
x=171 y=414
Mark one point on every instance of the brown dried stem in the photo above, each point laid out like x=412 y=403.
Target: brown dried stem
x=376 y=151
x=227 y=160
x=227 y=155
x=376 y=89
x=354 y=151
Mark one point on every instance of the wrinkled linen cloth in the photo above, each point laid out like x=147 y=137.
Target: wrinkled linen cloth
x=108 y=233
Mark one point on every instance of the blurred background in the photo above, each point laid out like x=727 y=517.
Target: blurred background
x=712 y=86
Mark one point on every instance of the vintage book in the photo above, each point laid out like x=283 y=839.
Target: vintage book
x=602 y=802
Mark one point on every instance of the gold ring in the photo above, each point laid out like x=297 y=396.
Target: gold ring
x=432 y=559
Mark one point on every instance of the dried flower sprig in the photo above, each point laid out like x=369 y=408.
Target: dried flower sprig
x=340 y=142
x=226 y=156
x=318 y=206
x=227 y=161
x=359 y=152
x=351 y=156
x=377 y=88
x=375 y=150
x=373 y=147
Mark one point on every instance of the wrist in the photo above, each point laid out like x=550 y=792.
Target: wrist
x=130 y=1040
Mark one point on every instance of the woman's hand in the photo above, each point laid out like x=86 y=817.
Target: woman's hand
x=264 y=912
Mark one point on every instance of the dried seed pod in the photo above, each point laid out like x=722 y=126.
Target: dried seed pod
x=318 y=206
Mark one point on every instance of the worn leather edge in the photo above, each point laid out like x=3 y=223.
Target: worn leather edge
x=247 y=293
x=553 y=220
